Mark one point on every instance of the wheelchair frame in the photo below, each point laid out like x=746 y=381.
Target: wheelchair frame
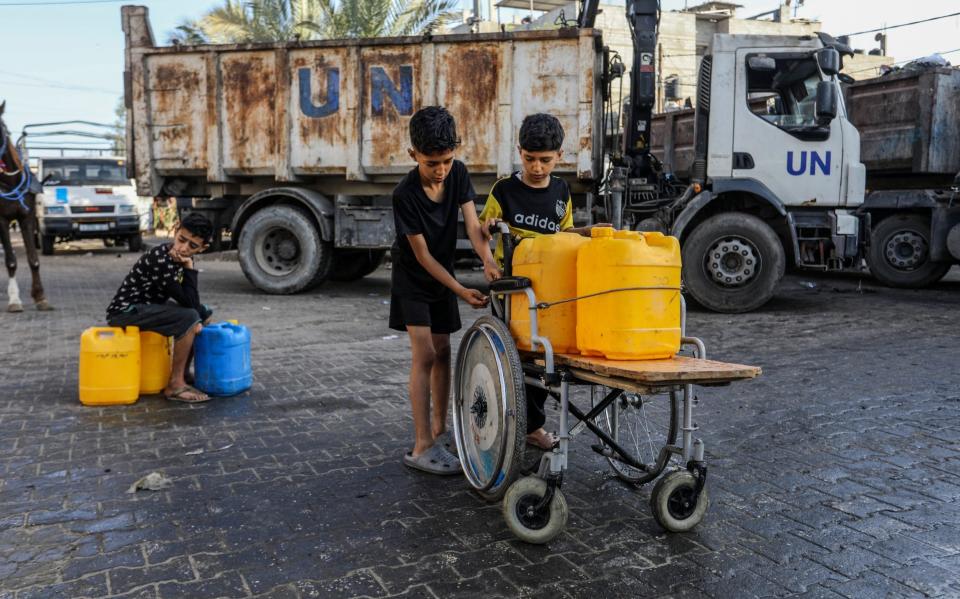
x=686 y=501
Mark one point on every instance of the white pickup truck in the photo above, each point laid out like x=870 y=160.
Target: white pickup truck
x=88 y=198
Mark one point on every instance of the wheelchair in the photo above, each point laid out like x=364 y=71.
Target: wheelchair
x=643 y=436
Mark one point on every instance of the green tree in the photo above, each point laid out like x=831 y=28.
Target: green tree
x=247 y=21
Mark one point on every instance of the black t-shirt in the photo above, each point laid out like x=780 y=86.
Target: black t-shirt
x=413 y=213
x=154 y=279
x=530 y=211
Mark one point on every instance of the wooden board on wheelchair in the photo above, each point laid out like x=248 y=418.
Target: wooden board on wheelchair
x=676 y=370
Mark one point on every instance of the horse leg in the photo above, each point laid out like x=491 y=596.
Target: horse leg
x=28 y=227
x=13 y=290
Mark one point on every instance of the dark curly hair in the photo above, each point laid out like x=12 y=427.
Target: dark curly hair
x=541 y=133
x=433 y=130
x=199 y=225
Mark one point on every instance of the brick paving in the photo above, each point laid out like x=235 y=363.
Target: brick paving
x=833 y=475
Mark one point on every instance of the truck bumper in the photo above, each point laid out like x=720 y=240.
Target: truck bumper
x=121 y=226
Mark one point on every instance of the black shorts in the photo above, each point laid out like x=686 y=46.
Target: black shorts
x=168 y=320
x=443 y=316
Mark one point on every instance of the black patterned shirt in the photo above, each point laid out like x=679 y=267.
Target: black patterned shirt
x=154 y=279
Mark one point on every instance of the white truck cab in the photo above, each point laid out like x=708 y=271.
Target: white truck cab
x=87 y=198
x=764 y=125
x=779 y=165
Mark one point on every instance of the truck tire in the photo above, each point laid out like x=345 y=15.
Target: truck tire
x=135 y=243
x=350 y=265
x=46 y=244
x=732 y=262
x=900 y=253
x=281 y=251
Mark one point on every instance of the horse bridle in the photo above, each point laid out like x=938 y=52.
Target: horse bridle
x=20 y=190
x=4 y=142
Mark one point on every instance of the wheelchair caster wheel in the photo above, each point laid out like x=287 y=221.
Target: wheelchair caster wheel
x=524 y=521
x=673 y=504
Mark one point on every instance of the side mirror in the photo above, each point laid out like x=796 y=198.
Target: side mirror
x=762 y=63
x=844 y=78
x=829 y=61
x=826 y=101
x=50 y=178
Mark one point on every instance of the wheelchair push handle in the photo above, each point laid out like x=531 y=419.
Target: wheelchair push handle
x=503 y=229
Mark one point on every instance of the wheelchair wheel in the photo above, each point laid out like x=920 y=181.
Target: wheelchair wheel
x=672 y=502
x=528 y=526
x=490 y=407
x=642 y=426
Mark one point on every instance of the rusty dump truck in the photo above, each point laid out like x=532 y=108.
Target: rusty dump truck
x=296 y=147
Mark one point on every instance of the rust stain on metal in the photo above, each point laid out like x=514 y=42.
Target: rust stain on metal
x=175 y=94
x=468 y=75
x=249 y=88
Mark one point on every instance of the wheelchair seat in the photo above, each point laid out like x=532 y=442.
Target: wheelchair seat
x=507 y=284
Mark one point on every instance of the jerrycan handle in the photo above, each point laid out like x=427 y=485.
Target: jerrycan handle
x=105 y=333
x=656 y=238
x=596 y=232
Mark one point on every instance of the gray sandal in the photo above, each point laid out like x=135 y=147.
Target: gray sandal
x=447 y=441
x=435 y=460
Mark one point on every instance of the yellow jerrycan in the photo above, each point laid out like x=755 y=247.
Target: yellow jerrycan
x=156 y=362
x=641 y=321
x=109 y=366
x=550 y=262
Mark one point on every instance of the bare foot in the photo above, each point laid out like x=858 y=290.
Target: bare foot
x=542 y=439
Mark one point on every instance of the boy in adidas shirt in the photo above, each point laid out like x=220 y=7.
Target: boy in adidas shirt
x=533 y=202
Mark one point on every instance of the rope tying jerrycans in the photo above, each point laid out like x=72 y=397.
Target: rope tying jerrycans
x=633 y=283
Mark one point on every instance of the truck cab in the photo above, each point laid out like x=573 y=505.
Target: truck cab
x=780 y=176
x=88 y=198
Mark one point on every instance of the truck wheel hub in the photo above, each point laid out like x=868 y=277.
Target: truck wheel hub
x=732 y=262
x=277 y=251
x=906 y=250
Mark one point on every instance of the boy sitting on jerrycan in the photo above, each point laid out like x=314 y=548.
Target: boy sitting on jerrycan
x=533 y=203
x=160 y=295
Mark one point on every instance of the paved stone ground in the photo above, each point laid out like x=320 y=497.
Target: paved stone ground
x=836 y=474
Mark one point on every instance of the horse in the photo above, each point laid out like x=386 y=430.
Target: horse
x=18 y=202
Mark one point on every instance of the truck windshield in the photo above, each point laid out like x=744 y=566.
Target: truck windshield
x=85 y=172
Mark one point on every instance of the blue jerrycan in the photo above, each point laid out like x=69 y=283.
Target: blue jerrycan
x=222 y=359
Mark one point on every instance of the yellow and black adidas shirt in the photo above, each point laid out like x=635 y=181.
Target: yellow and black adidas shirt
x=529 y=211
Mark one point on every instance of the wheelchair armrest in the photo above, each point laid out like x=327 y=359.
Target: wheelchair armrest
x=510 y=284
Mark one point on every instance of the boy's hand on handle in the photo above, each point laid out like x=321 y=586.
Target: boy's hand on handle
x=474 y=298
x=491 y=271
x=489 y=228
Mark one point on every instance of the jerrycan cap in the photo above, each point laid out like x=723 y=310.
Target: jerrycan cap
x=234 y=322
x=601 y=232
